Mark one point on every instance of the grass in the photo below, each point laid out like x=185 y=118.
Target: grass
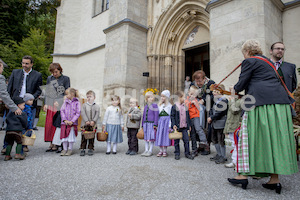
x=42 y=119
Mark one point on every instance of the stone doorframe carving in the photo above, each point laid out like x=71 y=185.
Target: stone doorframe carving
x=165 y=41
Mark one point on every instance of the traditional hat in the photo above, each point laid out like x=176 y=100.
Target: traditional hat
x=166 y=93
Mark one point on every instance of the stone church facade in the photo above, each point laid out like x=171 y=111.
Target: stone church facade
x=107 y=45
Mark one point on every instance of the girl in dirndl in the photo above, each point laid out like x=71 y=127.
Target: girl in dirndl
x=113 y=124
x=70 y=112
x=149 y=123
x=164 y=124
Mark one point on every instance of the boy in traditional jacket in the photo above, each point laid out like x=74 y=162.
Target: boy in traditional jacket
x=90 y=114
x=133 y=124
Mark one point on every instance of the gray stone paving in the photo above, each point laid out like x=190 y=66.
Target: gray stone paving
x=48 y=176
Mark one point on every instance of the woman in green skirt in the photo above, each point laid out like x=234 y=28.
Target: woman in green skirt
x=266 y=143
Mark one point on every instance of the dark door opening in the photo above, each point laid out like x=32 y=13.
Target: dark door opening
x=197 y=59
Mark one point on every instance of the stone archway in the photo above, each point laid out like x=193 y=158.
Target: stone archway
x=166 y=40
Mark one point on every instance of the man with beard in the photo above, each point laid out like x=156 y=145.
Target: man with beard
x=285 y=70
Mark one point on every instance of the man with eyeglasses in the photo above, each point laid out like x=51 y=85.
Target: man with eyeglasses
x=23 y=81
x=286 y=70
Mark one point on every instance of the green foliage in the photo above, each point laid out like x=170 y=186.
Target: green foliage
x=35 y=46
x=12 y=15
x=27 y=27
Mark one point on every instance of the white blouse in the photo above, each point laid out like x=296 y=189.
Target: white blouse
x=113 y=116
x=167 y=108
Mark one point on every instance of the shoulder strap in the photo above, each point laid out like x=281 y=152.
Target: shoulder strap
x=278 y=76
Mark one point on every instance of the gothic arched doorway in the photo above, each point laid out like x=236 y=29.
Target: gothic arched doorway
x=167 y=43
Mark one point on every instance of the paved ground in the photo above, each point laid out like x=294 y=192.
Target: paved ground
x=48 y=176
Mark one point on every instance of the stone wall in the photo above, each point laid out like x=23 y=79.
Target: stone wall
x=80 y=45
x=234 y=22
x=291 y=33
x=125 y=58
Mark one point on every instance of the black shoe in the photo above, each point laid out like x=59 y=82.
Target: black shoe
x=132 y=153
x=49 y=150
x=35 y=128
x=189 y=157
x=195 y=153
x=114 y=152
x=276 y=186
x=216 y=157
x=221 y=160
x=128 y=152
x=177 y=157
x=82 y=152
x=59 y=149
x=107 y=153
x=90 y=152
x=234 y=181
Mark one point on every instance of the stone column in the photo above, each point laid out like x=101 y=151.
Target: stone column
x=126 y=53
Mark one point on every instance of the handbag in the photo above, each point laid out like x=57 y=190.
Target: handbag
x=175 y=135
x=220 y=123
x=140 y=134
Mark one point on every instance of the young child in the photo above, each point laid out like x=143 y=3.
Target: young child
x=232 y=123
x=90 y=114
x=113 y=124
x=164 y=124
x=70 y=112
x=217 y=117
x=181 y=121
x=149 y=123
x=28 y=98
x=15 y=125
x=133 y=124
x=194 y=112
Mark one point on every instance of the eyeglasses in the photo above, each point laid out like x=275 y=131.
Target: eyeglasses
x=282 y=49
x=25 y=63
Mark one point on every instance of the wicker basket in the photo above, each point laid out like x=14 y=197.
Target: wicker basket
x=175 y=135
x=29 y=141
x=102 y=136
x=140 y=134
x=88 y=134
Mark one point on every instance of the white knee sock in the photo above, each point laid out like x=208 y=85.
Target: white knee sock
x=36 y=120
x=151 y=146
x=108 y=147
x=161 y=149
x=114 y=147
x=146 y=146
x=71 y=145
x=165 y=149
x=65 y=146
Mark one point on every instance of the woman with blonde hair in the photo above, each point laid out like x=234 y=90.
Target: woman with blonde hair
x=266 y=143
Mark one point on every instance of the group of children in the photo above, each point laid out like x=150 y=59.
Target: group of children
x=157 y=121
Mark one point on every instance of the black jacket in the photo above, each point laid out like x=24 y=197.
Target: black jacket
x=219 y=109
x=259 y=79
x=175 y=118
x=33 y=83
x=289 y=75
x=16 y=122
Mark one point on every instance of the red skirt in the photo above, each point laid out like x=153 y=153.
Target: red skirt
x=49 y=128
